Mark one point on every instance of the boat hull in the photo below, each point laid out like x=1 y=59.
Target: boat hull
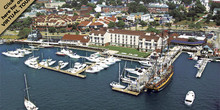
x=162 y=85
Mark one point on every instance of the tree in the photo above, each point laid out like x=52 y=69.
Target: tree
x=120 y=24
x=151 y=29
x=74 y=26
x=187 y=2
x=143 y=23
x=62 y=30
x=171 y=5
x=97 y=15
x=24 y=32
x=199 y=8
x=66 y=6
x=118 y=2
x=52 y=29
x=111 y=24
x=39 y=14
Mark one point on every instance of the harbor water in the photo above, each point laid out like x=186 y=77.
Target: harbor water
x=51 y=90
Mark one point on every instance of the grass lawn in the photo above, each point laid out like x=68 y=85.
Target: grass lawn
x=9 y=37
x=123 y=50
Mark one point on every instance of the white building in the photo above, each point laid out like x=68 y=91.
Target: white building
x=131 y=18
x=126 y=38
x=145 y=17
x=54 y=4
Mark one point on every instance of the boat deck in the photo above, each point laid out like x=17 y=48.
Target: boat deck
x=77 y=74
x=126 y=91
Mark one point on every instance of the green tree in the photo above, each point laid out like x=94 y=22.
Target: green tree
x=39 y=14
x=24 y=32
x=191 y=39
x=97 y=15
x=171 y=5
x=187 y=2
x=151 y=29
x=66 y=6
x=199 y=8
x=143 y=23
x=120 y=24
x=62 y=30
x=74 y=26
x=111 y=24
x=52 y=29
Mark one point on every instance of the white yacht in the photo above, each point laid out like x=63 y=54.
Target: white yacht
x=32 y=62
x=61 y=64
x=73 y=55
x=94 y=69
x=25 y=51
x=13 y=54
x=27 y=103
x=94 y=57
x=190 y=96
x=145 y=63
x=102 y=64
x=47 y=62
x=77 y=67
x=117 y=84
x=137 y=71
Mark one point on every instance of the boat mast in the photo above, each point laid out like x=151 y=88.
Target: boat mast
x=26 y=86
x=119 y=73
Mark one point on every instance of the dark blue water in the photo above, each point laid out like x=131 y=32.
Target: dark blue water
x=51 y=90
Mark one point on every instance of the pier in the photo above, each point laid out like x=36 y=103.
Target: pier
x=126 y=91
x=77 y=74
x=202 y=68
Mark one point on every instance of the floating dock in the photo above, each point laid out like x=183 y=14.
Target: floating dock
x=126 y=91
x=77 y=74
x=202 y=68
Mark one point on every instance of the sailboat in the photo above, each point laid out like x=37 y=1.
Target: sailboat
x=161 y=73
x=117 y=84
x=28 y=104
x=47 y=44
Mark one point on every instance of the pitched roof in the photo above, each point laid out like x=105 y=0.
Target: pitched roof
x=81 y=38
x=96 y=32
x=84 y=23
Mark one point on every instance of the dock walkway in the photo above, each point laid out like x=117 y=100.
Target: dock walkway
x=202 y=68
x=126 y=91
x=77 y=74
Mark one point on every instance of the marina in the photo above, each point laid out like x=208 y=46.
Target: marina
x=102 y=79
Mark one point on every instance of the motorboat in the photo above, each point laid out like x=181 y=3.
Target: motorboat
x=74 y=55
x=190 y=96
x=137 y=71
x=27 y=103
x=60 y=53
x=94 y=69
x=77 y=67
x=145 y=63
x=117 y=85
x=25 y=51
x=13 y=54
x=47 y=62
x=32 y=62
x=94 y=57
x=61 y=64
x=102 y=64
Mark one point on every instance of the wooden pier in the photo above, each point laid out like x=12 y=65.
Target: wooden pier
x=202 y=68
x=77 y=74
x=126 y=91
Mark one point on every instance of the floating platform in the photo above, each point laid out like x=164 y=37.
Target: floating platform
x=77 y=74
x=126 y=91
x=202 y=68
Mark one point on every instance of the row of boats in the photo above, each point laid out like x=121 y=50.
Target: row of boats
x=20 y=52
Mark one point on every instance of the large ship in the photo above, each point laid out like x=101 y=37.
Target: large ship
x=161 y=75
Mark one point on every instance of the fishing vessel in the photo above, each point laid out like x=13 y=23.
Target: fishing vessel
x=117 y=84
x=27 y=103
x=190 y=96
